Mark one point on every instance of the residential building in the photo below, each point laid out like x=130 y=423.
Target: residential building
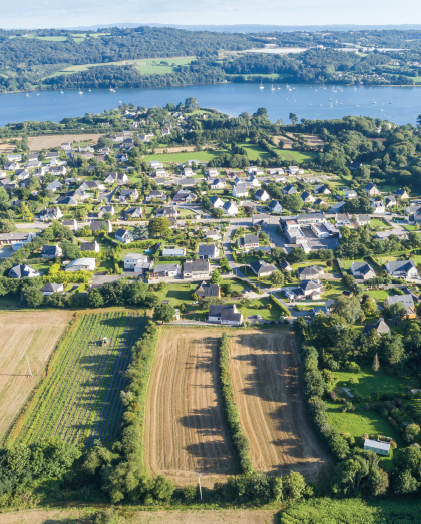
x=334 y=208
x=81 y=264
x=54 y=186
x=135 y=261
x=240 y=191
x=286 y=266
x=371 y=190
x=249 y=241
x=167 y=211
x=16 y=240
x=123 y=235
x=363 y=220
x=196 y=268
x=406 y=300
x=50 y=213
x=218 y=183
x=49 y=289
x=174 y=252
x=51 y=154
x=289 y=190
x=362 y=270
x=311 y=289
x=106 y=209
x=212 y=172
x=230 y=208
x=205 y=290
x=353 y=166
x=67 y=200
x=133 y=213
x=321 y=189
x=186 y=181
x=275 y=171
x=51 y=251
x=262 y=268
x=307 y=197
x=350 y=194
x=156 y=194
x=90 y=246
x=275 y=207
x=381 y=448
x=379 y=327
x=164 y=270
x=23 y=271
x=101 y=225
x=216 y=202
x=72 y=224
x=261 y=195
x=378 y=206
x=210 y=251
x=184 y=196
x=213 y=235
x=311 y=272
x=119 y=178
x=343 y=219
x=389 y=201
x=128 y=194
x=90 y=185
x=155 y=164
x=401 y=234
x=402 y=268
x=226 y=315
x=402 y=194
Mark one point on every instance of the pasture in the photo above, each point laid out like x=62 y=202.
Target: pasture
x=33 y=334
x=79 y=400
x=37 y=143
x=265 y=371
x=186 y=431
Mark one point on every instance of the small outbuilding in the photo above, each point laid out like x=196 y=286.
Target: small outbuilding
x=381 y=448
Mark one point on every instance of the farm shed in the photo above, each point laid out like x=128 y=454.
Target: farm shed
x=381 y=448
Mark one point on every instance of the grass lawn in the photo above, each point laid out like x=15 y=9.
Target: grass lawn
x=409 y=227
x=337 y=287
x=378 y=222
x=267 y=314
x=180 y=158
x=379 y=295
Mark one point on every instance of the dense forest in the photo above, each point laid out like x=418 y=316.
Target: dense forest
x=32 y=59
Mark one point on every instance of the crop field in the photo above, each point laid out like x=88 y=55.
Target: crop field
x=265 y=371
x=186 y=431
x=79 y=400
x=37 y=143
x=33 y=334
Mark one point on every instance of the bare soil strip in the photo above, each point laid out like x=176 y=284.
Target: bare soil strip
x=185 y=426
x=33 y=334
x=265 y=370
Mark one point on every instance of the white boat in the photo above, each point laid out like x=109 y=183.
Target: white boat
x=310 y=104
x=27 y=94
x=38 y=95
x=62 y=92
x=89 y=90
x=272 y=88
x=112 y=90
x=80 y=92
x=261 y=86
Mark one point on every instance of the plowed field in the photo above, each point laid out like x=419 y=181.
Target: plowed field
x=265 y=371
x=186 y=431
x=33 y=334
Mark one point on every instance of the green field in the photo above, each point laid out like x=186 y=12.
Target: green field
x=48 y=38
x=180 y=158
x=80 y=399
x=378 y=222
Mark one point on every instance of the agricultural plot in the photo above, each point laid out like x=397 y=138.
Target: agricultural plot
x=80 y=398
x=265 y=371
x=32 y=334
x=186 y=431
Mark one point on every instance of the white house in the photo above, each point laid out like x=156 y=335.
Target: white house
x=227 y=315
x=134 y=261
x=378 y=207
x=261 y=195
x=49 y=289
x=123 y=235
x=240 y=191
x=343 y=219
x=275 y=206
x=230 y=208
x=120 y=178
x=402 y=268
x=174 y=252
x=216 y=202
x=210 y=251
x=155 y=164
x=81 y=264
x=362 y=270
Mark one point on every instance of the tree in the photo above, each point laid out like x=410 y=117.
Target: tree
x=32 y=297
x=293 y=202
x=294 y=485
x=140 y=232
x=296 y=255
x=393 y=350
x=158 y=226
x=137 y=292
x=216 y=277
x=95 y=298
x=277 y=278
x=376 y=363
x=347 y=308
x=370 y=307
x=397 y=311
x=71 y=251
x=293 y=117
x=164 y=312
x=248 y=210
x=7 y=226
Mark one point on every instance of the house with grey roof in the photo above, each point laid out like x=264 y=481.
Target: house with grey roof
x=196 y=268
x=275 y=206
x=401 y=268
x=205 y=290
x=208 y=251
x=405 y=300
x=249 y=241
x=379 y=327
x=230 y=208
x=289 y=190
x=371 y=190
x=311 y=272
x=50 y=288
x=362 y=270
x=123 y=235
x=51 y=251
x=240 y=191
x=262 y=268
x=227 y=315
x=23 y=271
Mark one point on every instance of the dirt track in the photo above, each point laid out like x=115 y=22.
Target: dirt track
x=33 y=334
x=266 y=378
x=185 y=428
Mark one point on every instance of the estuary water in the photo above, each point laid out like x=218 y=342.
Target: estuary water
x=397 y=104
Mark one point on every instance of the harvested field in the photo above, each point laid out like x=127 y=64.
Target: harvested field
x=33 y=334
x=80 y=398
x=36 y=143
x=265 y=370
x=186 y=431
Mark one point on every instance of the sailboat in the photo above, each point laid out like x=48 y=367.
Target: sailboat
x=80 y=92
x=62 y=92
x=27 y=94
x=272 y=88
x=89 y=90
x=261 y=86
x=112 y=90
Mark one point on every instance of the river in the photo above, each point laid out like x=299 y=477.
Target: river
x=397 y=104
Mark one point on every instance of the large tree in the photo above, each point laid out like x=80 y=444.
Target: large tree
x=164 y=312
x=158 y=226
x=347 y=308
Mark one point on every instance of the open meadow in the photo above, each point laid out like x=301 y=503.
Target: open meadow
x=33 y=334
x=79 y=400
x=265 y=370
x=186 y=431
x=38 y=143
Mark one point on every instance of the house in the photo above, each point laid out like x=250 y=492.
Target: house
x=363 y=220
x=58 y=170
x=262 y=268
x=123 y=235
x=119 y=178
x=216 y=202
x=253 y=182
x=187 y=181
x=155 y=195
x=371 y=190
x=213 y=235
x=133 y=213
x=401 y=234
x=319 y=202
x=51 y=251
x=378 y=206
x=289 y=190
x=174 y=252
x=51 y=154
x=196 y=268
x=311 y=289
x=294 y=170
x=252 y=169
x=167 y=211
x=212 y=172
x=162 y=181
x=261 y=195
x=389 y=201
x=67 y=201
x=227 y=315
x=334 y=208
x=54 y=186
x=379 y=327
x=184 y=196
x=81 y=264
x=14 y=157
x=343 y=219
x=218 y=183
x=90 y=246
x=275 y=207
x=350 y=194
x=70 y=181
x=23 y=271
x=405 y=300
x=240 y=191
x=402 y=194
x=22 y=174
x=286 y=266
x=106 y=209
x=49 y=289
x=307 y=197
x=321 y=189
x=135 y=262
x=164 y=270
x=101 y=225
x=128 y=194
x=353 y=166
x=205 y=290
x=208 y=251
x=311 y=272
x=66 y=146
x=72 y=224
x=381 y=448
x=249 y=241
x=11 y=166
x=230 y=208
x=320 y=310
x=402 y=268
x=50 y=213
x=275 y=171
x=362 y=270
x=160 y=173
